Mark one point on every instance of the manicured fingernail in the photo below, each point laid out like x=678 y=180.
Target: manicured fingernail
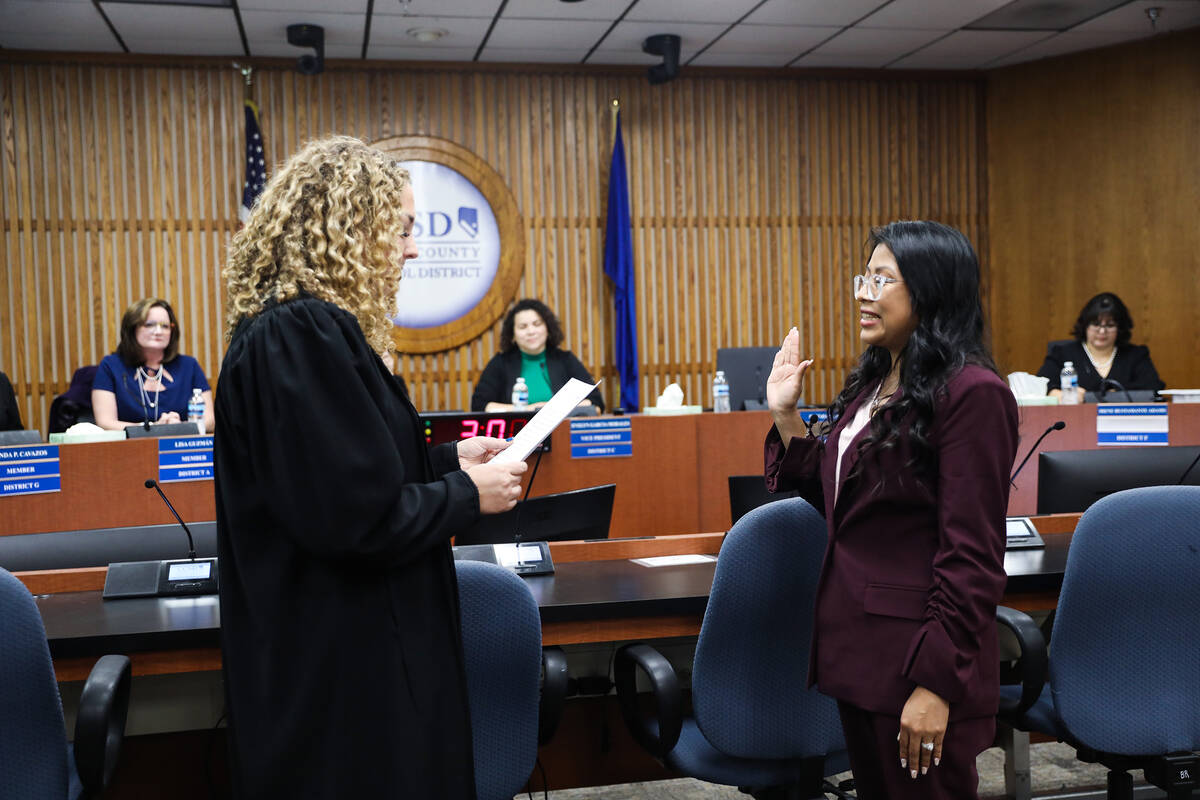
x=903 y=763
x=924 y=770
x=913 y=772
x=937 y=762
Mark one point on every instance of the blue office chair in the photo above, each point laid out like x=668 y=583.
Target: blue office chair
x=755 y=723
x=502 y=644
x=1124 y=672
x=35 y=759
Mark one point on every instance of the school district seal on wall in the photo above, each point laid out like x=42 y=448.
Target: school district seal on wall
x=471 y=244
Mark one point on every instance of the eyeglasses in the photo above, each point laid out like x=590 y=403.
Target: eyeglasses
x=873 y=283
x=1103 y=326
x=157 y=326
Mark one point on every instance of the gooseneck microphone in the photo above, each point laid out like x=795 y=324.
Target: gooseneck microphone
x=1107 y=385
x=153 y=484
x=1188 y=471
x=1058 y=426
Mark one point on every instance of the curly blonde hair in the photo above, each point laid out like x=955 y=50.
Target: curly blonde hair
x=327 y=223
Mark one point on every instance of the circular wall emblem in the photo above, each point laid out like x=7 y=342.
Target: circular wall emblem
x=470 y=243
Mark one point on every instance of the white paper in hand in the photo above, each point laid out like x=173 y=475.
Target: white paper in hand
x=545 y=421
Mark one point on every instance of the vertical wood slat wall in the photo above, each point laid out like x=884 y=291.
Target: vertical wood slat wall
x=751 y=198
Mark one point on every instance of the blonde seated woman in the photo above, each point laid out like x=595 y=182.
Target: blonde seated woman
x=339 y=603
x=147 y=380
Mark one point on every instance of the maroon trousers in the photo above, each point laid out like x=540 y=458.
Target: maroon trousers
x=875 y=758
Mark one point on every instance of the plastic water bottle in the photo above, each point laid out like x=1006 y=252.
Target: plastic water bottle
x=720 y=393
x=520 y=393
x=1068 y=381
x=196 y=406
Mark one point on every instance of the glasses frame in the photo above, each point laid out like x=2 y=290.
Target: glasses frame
x=874 y=284
x=1107 y=326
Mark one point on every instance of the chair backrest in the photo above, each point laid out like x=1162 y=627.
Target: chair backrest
x=33 y=738
x=750 y=673
x=75 y=404
x=502 y=645
x=9 y=438
x=748 y=492
x=1125 y=657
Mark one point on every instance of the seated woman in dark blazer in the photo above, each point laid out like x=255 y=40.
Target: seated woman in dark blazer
x=529 y=348
x=1101 y=350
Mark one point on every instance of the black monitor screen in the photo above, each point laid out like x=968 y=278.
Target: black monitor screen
x=1071 y=480
x=746 y=370
x=581 y=514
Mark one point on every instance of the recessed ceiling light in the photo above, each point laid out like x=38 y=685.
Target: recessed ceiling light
x=426 y=34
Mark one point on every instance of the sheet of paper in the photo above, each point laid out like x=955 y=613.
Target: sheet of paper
x=509 y=556
x=545 y=421
x=673 y=561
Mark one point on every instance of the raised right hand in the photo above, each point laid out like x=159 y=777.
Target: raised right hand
x=786 y=381
x=499 y=485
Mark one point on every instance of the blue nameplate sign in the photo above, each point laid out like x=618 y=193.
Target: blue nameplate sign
x=1130 y=424
x=185 y=458
x=29 y=469
x=601 y=438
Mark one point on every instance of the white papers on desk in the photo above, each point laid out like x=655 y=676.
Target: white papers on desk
x=673 y=561
x=545 y=421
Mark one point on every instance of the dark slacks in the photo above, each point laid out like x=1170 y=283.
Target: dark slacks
x=875 y=758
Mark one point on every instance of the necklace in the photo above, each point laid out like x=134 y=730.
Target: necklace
x=1101 y=366
x=144 y=377
x=879 y=401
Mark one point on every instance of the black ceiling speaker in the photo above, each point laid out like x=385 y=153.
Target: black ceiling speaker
x=667 y=46
x=313 y=36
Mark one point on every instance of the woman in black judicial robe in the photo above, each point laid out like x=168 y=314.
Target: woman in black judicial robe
x=339 y=606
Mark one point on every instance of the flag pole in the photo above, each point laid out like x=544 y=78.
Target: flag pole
x=612 y=128
x=247 y=73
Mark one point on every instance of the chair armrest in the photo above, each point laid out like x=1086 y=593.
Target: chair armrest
x=554 y=692
x=664 y=685
x=1031 y=664
x=100 y=722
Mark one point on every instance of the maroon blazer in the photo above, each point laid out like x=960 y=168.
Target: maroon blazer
x=914 y=568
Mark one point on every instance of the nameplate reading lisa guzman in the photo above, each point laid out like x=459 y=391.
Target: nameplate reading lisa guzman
x=185 y=458
x=29 y=469
x=1132 y=424
x=601 y=438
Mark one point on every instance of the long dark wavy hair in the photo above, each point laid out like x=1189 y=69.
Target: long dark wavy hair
x=941 y=273
x=554 y=332
x=1104 y=304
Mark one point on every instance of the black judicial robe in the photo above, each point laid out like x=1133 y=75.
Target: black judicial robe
x=339 y=605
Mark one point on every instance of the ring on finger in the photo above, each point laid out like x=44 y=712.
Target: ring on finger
x=927 y=746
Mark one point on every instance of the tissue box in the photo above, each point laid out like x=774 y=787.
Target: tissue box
x=655 y=411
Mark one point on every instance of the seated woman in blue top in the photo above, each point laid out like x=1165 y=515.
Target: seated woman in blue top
x=147 y=380
x=1101 y=350
x=529 y=349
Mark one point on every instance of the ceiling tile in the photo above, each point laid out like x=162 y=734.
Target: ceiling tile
x=579 y=35
x=404 y=53
x=720 y=11
x=770 y=39
x=873 y=47
x=1060 y=44
x=68 y=43
x=819 y=60
x=460 y=31
x=813 y=12
x=710 y=59
x=635 y=57
x=607 y=10
x=266 y=31
x=159 y=45
x=294 y=7
x=1040 y=15
x=147 y=22
x=519 y=55
x=969 y=49
x=933 y=15
x=628 y=36
x=19 y=17
x=1173 y=15
x=438 y=8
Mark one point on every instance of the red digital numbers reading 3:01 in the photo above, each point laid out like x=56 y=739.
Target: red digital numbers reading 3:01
x=499 y=428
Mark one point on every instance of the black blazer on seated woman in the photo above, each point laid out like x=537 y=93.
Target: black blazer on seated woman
x=1132 y=367
x=496 y=382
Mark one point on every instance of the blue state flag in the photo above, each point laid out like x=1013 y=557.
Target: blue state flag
x=618 y=266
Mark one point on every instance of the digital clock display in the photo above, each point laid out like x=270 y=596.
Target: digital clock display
x=452 y=426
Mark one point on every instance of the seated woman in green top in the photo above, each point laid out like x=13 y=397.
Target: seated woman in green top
x=529 y=349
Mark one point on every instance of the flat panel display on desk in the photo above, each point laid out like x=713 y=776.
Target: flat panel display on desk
x=453 y=426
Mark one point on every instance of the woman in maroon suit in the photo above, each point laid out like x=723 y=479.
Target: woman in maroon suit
x=912 y=476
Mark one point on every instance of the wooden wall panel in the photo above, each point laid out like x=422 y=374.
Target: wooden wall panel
x=1094 y=185
x=751 y=196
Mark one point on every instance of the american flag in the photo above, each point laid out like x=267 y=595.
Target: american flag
x=256 y=170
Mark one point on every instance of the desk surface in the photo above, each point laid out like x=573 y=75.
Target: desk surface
x=82 y=625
